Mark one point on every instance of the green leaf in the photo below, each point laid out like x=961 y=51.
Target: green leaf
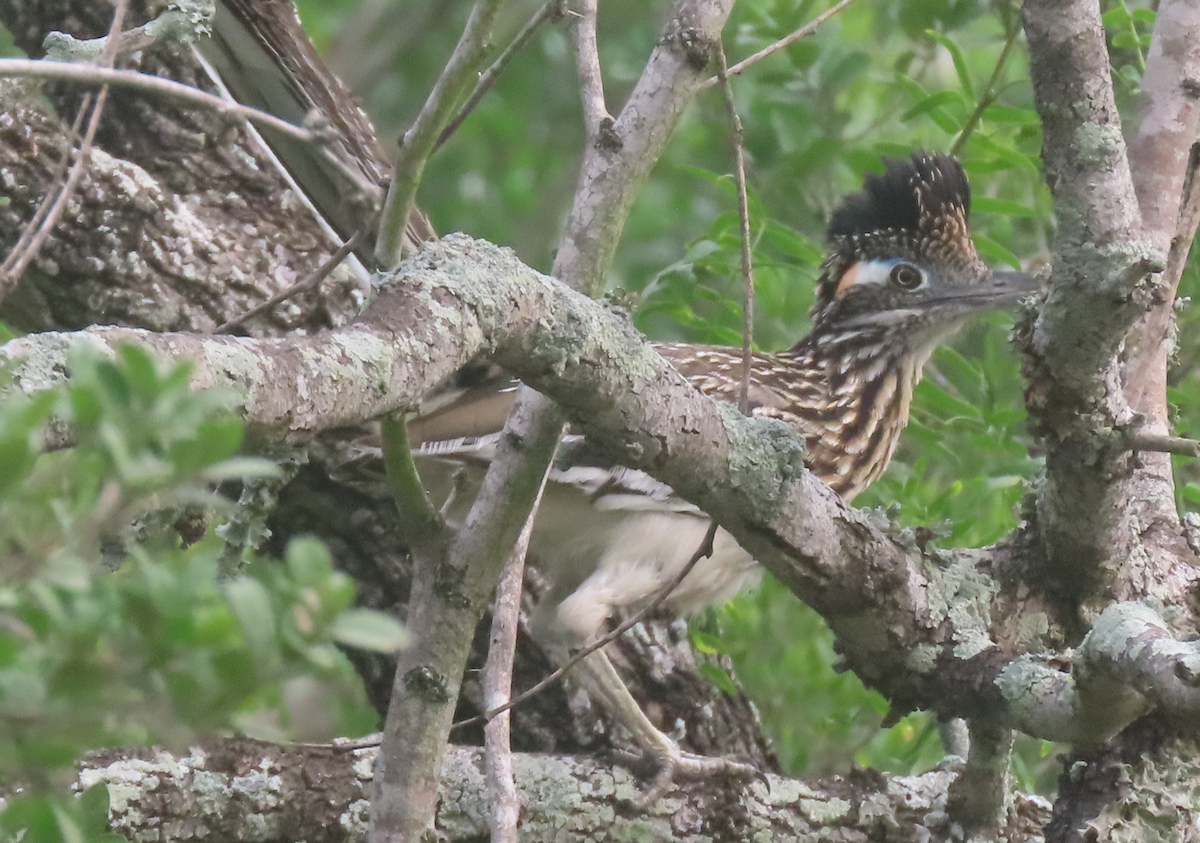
x=960 y=62
x=1005 y=207
x=93 y=810
x=933 y=102
x=369 y=630
x=718 y=676
x=308 y=561
x=1117 y=16
x=241 y=468
x=1007 y=114
x=251 y=605
x=69 y=830
x=992 y=250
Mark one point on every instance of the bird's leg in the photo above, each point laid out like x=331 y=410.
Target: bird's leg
x=596 y=675
x=458 y=485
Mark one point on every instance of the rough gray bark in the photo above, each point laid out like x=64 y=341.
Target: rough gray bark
x=181 y=223
x=257 y=793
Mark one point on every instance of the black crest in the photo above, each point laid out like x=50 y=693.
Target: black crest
x=912 y=195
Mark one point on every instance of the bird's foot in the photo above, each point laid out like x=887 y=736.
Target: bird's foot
x=673 y=764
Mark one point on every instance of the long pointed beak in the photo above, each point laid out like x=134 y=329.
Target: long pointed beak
x=997 y=289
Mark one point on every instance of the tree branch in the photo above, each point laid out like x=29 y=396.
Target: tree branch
x=1158 y=156
x=1104 y=279
x=250 y=790
x=422 y=138
x=86 y=74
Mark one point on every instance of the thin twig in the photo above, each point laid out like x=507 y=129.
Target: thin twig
x=20 y=261
x=86 y=74
x=591 y=80
x=552 y=9
x=806 y=30
x=1189 y=220
x=421 y=139
x=988 y=95
x=705 y=550
x=1164 y=444
x=308 y=283
x=739 y=174
x=504 y=806
x=60 y=171
x=420 y=520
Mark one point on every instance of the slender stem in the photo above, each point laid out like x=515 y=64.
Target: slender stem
x=552 y=9
x=739 y=173
x=504 y=807
x=86 y=74
x=804 y=31
x=421 y=139
x=21 y=247
x=591 y=81
x=419 y=518
x=311 y=281
x=1178 y=445
x=988 y=95
x=18 y=262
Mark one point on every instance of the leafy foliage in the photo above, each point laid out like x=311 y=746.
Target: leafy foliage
x=114 y=633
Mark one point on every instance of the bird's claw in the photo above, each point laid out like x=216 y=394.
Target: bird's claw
x=673 y=763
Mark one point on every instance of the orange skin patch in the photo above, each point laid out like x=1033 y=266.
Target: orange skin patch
x=848 y=279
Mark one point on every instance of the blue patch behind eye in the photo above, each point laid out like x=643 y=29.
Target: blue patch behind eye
x=874 y=271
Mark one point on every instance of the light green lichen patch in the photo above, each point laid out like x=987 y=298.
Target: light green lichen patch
x=923 y=658
x=356 y=819
x=1096 y=143
x=1032 y=629
x=822 y=812
x=43 y=363
x=1041 y=697
x=1161 y=802
x=961 y=594
x=764 y=456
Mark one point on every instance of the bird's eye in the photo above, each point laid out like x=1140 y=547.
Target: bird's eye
x=906 y=276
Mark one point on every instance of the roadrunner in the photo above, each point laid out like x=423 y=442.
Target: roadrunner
x=902 y=275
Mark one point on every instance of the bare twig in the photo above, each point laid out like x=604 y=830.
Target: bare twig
x=739 y=175
x=34 y=224
x=91 y=75
x=705 y=550
x=311 y=282
x=591 y=82
x=504 y=806
x=553 y=9
x=804 y=31
x=18 y=262
x=1164 y=444
x=988 y=95
x=421 y=139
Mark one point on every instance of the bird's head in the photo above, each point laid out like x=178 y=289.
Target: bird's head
x=903 y=265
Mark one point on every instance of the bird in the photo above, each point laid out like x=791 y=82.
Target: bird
x=901 y=276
